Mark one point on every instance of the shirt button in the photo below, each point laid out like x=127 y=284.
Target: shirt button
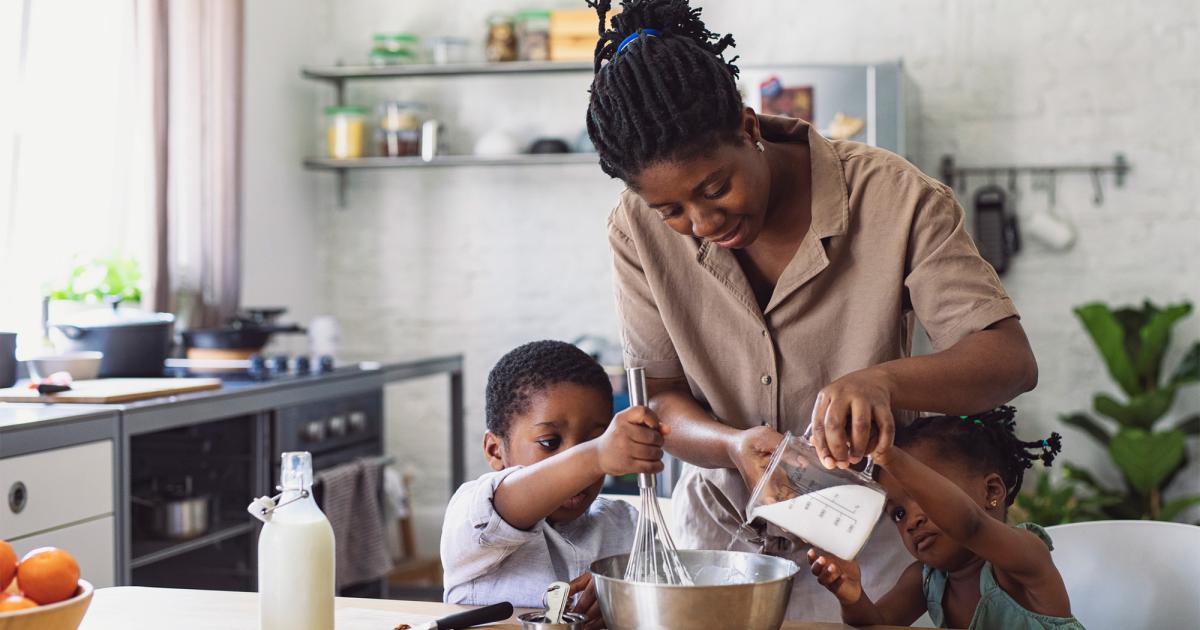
x=766 y=379
x=764 y=333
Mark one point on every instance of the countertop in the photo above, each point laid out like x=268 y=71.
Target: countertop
x=139 y=608
x=19 y=415
x=234 y=397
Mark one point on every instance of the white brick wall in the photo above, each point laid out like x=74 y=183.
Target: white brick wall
x=479 y=260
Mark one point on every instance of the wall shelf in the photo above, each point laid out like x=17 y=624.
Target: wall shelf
x=338 y=74
x=150 y=552
x=368 y=163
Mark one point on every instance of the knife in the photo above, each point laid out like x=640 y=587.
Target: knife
x=468 y=618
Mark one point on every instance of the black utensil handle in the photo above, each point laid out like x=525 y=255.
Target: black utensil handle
x=466 y=619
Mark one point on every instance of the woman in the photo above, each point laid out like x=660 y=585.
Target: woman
x=767 y=277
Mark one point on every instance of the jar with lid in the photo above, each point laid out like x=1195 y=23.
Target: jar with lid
x=399 y=133
x=533 y=35
x=501 y=39
x=447 y=50
x=344 y=127
x=392 y=49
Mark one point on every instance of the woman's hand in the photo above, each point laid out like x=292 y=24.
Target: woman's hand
x=751 y=450
x=841 y=577
x=861 y=401
x=587 y=604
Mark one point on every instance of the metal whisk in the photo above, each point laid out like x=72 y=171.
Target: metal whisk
x=653 y=558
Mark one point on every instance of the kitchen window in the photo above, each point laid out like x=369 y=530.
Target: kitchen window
x=76 y=160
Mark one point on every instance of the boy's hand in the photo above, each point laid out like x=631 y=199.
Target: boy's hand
x=841 y=577
x=632 y=443
x=587 y=604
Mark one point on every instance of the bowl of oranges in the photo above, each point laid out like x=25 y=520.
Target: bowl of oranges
x=41 y=591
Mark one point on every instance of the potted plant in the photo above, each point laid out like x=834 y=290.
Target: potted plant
x=101 y=280
x=1148 y=451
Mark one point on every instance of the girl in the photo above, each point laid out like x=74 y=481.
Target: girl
x=950 y=480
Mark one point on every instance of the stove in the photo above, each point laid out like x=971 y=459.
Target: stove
x=257 y=368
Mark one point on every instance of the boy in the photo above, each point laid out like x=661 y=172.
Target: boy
x=536 y=518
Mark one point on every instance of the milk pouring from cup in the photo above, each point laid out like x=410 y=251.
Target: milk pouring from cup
x=834 y=510
x=295 y=553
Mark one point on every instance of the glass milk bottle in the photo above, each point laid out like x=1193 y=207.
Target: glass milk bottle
x=295 y=553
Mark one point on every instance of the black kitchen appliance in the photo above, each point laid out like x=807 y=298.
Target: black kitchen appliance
x=996 y=232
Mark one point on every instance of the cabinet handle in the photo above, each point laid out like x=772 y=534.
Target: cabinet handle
x=17 y=497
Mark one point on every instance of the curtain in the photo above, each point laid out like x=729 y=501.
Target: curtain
x=196 y=76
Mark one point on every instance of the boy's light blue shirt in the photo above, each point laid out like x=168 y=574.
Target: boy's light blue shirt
x=485 y=560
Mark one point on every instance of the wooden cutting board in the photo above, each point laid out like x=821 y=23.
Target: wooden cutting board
x=113 y=390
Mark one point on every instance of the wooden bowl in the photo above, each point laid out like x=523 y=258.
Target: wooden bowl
x=64 y=615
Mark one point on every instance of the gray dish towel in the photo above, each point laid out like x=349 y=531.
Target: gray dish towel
x=350 y=499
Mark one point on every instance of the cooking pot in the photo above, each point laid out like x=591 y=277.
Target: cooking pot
x=175 y=515
x=249 y=331
x=134 y=343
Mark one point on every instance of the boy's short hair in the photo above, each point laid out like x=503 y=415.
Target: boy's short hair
x=532 y=368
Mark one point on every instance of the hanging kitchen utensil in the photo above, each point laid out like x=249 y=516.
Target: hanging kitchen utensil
x=995 y=227
x=653 y=559
x=1046 y=226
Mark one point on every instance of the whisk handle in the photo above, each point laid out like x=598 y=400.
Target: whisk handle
x=637 y=398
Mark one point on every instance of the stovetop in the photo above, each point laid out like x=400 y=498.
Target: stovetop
x=257 y=369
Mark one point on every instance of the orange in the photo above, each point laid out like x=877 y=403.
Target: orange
x=8 y=564
x=16 y=602
x=48 y=575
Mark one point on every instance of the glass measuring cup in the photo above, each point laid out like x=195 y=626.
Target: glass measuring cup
x=797 y=498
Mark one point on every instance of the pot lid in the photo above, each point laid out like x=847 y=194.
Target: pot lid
x=105 y=317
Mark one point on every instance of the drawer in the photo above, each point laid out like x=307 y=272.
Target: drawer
x=91 y=543
x=60 y=487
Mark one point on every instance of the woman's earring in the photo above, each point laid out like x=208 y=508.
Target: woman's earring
x=995 y=503
x=759 y=145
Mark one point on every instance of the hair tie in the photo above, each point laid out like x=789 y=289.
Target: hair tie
x=650 y=32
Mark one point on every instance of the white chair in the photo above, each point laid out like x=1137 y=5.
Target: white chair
x=1124 y=575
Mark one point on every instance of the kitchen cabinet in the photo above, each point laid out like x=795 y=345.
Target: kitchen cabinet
x=90 y=542
x=55 y=488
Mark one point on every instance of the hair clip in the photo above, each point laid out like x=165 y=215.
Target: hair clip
x=650 y=32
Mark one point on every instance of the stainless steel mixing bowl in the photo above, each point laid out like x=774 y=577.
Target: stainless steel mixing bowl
x=756 y=601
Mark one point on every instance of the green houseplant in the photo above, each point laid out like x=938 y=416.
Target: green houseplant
x=100 y=280
x=1148 y=452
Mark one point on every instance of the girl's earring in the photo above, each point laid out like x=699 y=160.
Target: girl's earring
x=995 y=503
x=759 y=145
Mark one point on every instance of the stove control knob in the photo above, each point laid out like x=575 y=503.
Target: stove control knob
x=313 y=431
x=301 y=365
x=279 y=363
x=337 y=426
x=258 y=365
x=325 y=363
x=358 y=422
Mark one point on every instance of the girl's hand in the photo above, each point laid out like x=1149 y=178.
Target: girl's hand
x=752 y=451
x=632 y=444
x=841 y=577
x=862 y=401
x=586 y=604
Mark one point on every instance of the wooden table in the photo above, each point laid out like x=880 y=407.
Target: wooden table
x=140 y=608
